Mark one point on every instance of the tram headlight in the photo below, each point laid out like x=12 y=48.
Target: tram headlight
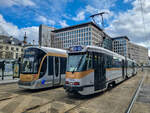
x=76 y=83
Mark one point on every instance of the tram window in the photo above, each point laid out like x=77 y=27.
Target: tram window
x=129 y=64
x=96 y=59
x=50 y=65
x=56 y=66
x=89 y=61
x=43 y=68
x=108 y=62
x=117 y=62
x=63 y=62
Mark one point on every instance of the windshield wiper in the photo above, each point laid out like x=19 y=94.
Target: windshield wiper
x=77 y=66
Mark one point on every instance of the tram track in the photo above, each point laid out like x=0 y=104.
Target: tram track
x=128 y=110
x=27 y=93
x=76 y=103
x=32 y=109
x=66 y=100
x=60 y=99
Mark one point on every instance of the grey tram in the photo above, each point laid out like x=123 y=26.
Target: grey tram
x=93 y=69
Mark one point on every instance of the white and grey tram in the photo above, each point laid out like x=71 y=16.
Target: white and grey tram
x=42 y=67
x=92 y=69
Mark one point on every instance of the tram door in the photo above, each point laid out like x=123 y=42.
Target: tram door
x=57 y=75
x=99 y=73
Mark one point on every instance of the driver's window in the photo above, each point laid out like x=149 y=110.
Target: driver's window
x=43 y=68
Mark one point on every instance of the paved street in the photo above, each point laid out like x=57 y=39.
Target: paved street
x=8 y=79
x=55 y=100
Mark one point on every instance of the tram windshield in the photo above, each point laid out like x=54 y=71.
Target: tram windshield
x=78 y=62
x=31 y=60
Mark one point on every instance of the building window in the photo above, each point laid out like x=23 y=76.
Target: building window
x=89 y=29
x=17 y=49
x=16 y=55
x=7 y=47
x=1 y=47
x=12 y=48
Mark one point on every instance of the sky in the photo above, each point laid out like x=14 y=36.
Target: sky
x=124 y=17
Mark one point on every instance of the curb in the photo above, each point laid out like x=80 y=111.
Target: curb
x=11 y=82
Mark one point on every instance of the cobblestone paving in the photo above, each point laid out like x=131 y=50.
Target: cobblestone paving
x=55 y=100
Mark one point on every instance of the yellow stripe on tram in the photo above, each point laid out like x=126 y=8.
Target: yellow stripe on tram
x=78 y=75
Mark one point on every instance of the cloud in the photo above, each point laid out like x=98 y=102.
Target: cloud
x=63 y=23
x=130 y=23
x=93 y=9
x=101 y=4
x=126 y=1
x=44 y=20
x=10 y=3
x=9 y=29
x=90 y=10
x=80 y=16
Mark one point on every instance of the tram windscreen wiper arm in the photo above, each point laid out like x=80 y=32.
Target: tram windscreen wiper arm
x=77 y=66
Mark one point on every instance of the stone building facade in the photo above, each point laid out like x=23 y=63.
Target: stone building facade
x=120 y=45
x=138 y=53
x=91 y=34
x=45 y=35
x=81 y=34
x=10 y=48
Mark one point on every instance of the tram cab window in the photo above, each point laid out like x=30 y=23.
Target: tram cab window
x=43 y=68
x=77 y=62
x=50 y=65
x=83 y=65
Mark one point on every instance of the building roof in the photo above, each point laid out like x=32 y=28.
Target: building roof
x=78 y=25
x=120 y=37
x=7 y=40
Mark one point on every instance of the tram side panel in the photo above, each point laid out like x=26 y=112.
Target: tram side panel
x=114 y=70
x=55 y=75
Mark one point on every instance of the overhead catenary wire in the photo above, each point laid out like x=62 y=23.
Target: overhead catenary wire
x=143 y=18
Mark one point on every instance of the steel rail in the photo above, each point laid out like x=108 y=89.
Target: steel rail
x=128 y=110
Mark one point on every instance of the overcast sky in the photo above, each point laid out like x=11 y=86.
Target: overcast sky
x=124 y=17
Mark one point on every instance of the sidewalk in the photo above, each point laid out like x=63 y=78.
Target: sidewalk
x=8 y=80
